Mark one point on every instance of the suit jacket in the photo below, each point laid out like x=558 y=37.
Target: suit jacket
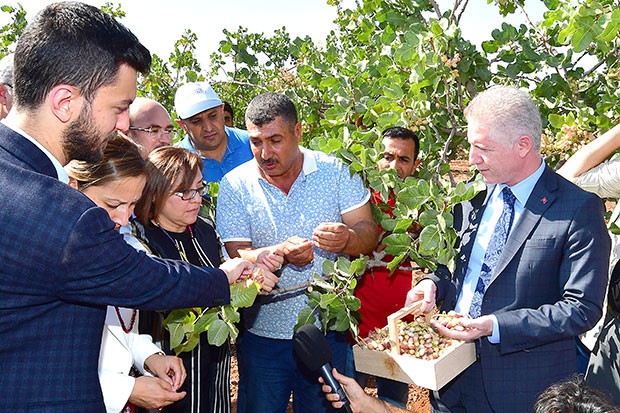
x=546 y=289
x=61 y=264
x=119 y=352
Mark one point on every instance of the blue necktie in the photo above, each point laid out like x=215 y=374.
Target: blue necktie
x=494 y=250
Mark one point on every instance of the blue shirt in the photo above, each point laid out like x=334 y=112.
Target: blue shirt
x=237 y=152
x=251 y=209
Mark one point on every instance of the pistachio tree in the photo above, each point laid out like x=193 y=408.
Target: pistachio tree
x=408 y=63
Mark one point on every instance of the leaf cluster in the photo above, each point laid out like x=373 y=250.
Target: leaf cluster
x=220 y=323
x=331 y=297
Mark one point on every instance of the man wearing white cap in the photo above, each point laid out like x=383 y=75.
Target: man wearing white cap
x=201 y=115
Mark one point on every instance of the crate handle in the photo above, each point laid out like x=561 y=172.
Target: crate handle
x=414 y=308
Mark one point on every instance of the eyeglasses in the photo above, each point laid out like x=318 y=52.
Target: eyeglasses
x=155 y=130
x=191 y=193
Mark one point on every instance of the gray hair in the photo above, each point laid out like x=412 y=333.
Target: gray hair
x=507 y=113
x=265 y=108
x=6 y=70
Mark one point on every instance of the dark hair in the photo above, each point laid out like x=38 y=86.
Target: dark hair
x=403 y=133
x=76 y=44
x=121 y=159
x=229 y=109
x=266 y=107
x=573 y=396
x=171 y=169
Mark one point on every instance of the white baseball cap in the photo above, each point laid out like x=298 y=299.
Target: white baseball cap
x=195 y=97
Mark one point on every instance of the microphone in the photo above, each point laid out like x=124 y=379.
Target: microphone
x=312 y=348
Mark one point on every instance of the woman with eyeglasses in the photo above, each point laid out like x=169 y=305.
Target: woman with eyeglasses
x=169 y=224
x=116 y=184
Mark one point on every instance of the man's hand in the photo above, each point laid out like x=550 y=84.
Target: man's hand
x=168 y=368
x=331 y=236
x=266 y=279
x=355 y=394
x=153 y=393
x=426 y=291
x=298 y=251
x=271 y=260
x=473 y=328
x=236 y=267
x=359 y=400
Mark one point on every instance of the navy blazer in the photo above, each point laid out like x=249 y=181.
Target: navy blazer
x=546 y=289
x=61 y=264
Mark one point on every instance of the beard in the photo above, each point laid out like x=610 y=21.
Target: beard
x=83 y=141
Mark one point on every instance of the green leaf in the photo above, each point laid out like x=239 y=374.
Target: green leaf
x=392 y=265
x=178 y=333
x=326 y=300
x=328 y=267
x=218 y=333
x=207 y=318
x=490 y=46
x=393 y=91
x=403 y=225
x=358 y=266
x=305 y=316
x=396 y=244
x=191 y=344
x=430 y=240
x=341 y=324
x=611 y=29
x=556 y=120
x=242 y=295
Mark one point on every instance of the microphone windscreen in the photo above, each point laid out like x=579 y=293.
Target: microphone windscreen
x=312 y=347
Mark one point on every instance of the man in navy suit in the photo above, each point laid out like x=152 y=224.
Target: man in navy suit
x=547 y=285
x=61 y=261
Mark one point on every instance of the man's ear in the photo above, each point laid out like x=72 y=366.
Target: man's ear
x=73 y=183
x=3 y=94
x=181 y=124
x=416 y=164
x=65 y=102
x=298 y=131
x=524 y=145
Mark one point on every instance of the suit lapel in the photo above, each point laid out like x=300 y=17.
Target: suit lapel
x=542 y=197
x=25 y=152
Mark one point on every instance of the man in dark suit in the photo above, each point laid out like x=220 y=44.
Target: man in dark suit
x=531 y=294
x=61 y=261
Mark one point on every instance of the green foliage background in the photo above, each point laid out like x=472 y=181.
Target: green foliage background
x=406 y=63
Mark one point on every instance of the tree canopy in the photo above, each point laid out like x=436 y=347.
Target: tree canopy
x=406 y=63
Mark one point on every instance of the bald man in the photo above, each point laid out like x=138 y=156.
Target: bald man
x=150 y=124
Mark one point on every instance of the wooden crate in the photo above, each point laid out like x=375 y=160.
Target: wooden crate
x=432 y=374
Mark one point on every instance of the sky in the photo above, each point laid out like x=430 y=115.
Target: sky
x=159 y=23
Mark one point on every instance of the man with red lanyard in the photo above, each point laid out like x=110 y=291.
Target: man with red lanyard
x=380 y=293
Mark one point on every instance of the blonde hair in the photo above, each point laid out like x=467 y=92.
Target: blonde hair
x=121 y=159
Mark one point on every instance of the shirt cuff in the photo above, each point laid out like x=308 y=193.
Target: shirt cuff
x=494 y=337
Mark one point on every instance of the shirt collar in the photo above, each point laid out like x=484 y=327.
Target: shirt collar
x=309 y=165
x=523 y=189
x=60 y=171
x=186 y=143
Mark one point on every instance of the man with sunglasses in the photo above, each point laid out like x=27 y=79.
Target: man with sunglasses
x=149 y=125
x=201 y=116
